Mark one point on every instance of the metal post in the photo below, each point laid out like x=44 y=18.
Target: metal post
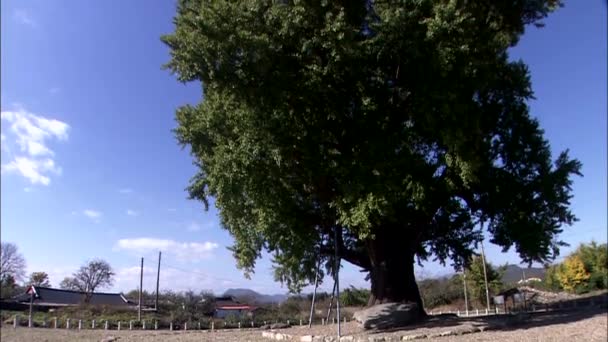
x=466 y=296
x=155 y=325
x=55 y=323
x=79 y=324
x=171 y=326
x=331 y=301
x=67 y=323
x=143 y=325
x=130 y=325
x=29 y=320
x=93 y=324
x=15 y=322
x=485 y=273
x=314 y=293
x=337 y=277
x=157 y=283
x=119 y=322
x=106 y=325
x=141 y=283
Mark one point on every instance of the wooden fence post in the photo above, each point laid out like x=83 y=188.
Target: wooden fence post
x=15 y=322
x=119 y=322
x=106 y=325
x=55 y=323
x=171 y=326
x=79 y=324
x=93 y=324
x=67 y=323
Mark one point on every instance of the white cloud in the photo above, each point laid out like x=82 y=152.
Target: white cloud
x=32 y=169
x=27 y=189
x=23 y=17
x=125 y=191
x=187 y=251
x=195 y=227
x=34 y=159
x=132 y=212
x=93 y=214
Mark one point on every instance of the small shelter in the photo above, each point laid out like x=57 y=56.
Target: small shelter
x=228 y=306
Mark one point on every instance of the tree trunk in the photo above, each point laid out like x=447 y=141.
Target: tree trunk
x=392 y=271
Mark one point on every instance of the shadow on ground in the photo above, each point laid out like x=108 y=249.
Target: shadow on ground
x=567 y=311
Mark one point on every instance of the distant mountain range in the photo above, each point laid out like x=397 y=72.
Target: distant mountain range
x=248 y=295
x=514 y=273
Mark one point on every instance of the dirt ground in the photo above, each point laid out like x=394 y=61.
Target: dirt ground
x=561 y=326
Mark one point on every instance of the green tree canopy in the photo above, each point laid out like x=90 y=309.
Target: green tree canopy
x=398 y=124
x=476 y=279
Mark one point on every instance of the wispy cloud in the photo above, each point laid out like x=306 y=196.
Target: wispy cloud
x=24 y=17
x=194 y=227
x=92 y=214
x=34 y=160
x=132 y=212
x=187 y=251
x=125 y=191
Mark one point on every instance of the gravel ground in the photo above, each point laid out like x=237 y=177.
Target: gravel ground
x=584 y=325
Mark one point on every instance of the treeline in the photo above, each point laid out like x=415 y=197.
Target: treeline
x=584 y=270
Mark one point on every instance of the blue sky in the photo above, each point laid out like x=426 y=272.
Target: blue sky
x=90 y=167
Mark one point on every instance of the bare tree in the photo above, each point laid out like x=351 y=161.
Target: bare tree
x=12 y=263
x=39 y=279
x=94 y=275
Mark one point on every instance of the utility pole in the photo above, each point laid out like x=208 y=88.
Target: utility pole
x=485 y=273
x=466 y=297
x=331 y=302
x=141 y=283
x=157 y=283
x=337 y=273
x=314 y=294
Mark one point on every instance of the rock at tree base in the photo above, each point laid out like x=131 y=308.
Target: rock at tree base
x=388 y=315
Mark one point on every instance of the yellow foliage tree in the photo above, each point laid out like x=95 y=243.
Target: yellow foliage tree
x=572 y=274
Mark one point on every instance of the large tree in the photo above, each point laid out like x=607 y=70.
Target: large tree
x=93 y=275
x=12 y=263
x=399 y=124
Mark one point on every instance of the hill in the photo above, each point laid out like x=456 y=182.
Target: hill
x=514 y=273
x=247 y=295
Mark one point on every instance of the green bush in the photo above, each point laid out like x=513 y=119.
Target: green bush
x=354 y=297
